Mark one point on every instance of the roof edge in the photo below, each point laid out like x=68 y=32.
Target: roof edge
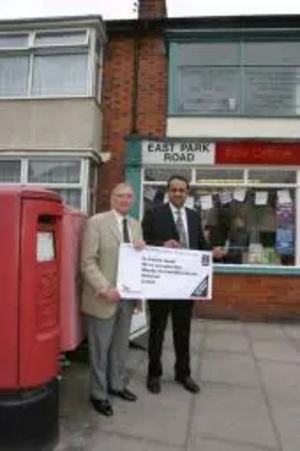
x=54 y=22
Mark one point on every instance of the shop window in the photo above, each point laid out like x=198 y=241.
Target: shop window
x=254 y=226
x=226 y=176
x=162 y=175
x=252 y=220
x=262 y=176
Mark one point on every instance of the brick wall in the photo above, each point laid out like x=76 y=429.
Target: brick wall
x=152 y=92
x=252 y=297
x=117 y=106
x=118 y=89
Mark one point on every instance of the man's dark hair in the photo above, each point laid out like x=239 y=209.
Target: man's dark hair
x=181 y=178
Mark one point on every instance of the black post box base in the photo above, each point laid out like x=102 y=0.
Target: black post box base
x=29 y=419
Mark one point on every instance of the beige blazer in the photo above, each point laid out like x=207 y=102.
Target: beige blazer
x=99 y=260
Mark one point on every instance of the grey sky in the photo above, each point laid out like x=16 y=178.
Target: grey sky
x=116 y=9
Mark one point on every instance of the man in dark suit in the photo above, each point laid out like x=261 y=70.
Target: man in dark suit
x=173 y=225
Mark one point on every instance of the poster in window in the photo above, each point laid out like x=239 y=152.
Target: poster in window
x=285 y=239
x=285 y=233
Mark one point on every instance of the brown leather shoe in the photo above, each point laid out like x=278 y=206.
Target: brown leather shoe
x=189 y=384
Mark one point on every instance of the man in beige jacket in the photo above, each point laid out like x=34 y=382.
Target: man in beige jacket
x=108 y=316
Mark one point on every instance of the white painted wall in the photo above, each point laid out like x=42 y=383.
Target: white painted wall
x=50 y=124
x=233 y=128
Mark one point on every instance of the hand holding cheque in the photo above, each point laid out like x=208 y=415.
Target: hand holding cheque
x=164 y=273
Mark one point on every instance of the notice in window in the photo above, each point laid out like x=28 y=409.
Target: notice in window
x=206 y=202
x=284 y=197
x=239 y=195
x=149 y=193
x=190 y=202
x=261 y=198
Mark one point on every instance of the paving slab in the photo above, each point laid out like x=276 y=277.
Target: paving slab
x=225 y=326
x=292 y=330
x=235 y=414
x=112 y=442
x=226 y=341
x=261 y=331
x=200 y=444
x=286 y=414
x=163 y=418
x=281 y=380
x=229 y=368
x=276 y=350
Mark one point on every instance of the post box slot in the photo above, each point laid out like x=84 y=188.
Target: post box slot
x=46 y=219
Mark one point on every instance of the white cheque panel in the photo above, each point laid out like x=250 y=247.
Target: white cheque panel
x=163 y=273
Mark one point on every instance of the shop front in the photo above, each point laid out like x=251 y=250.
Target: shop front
x=247 y=194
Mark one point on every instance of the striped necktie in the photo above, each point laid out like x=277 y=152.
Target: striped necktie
x=181 y=230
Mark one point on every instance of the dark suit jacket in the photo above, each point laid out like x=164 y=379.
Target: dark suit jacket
x=159 y=226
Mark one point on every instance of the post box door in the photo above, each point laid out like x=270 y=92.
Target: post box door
x=39 y=299
x=9 y=289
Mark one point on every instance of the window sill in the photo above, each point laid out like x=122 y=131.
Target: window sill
x=201 y=115
x=257 y=270
x=50 y=97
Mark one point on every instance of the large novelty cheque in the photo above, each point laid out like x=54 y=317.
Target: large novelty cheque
x=164 y=273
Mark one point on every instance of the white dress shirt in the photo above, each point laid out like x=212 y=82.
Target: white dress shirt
x=182 y=210
x=119 y=219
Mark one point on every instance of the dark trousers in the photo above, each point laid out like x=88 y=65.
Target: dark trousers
x=181 y=314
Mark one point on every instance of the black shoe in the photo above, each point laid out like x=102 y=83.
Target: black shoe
x=189 y=384
x=102 y=407
x=125 y=394
x=153 y=385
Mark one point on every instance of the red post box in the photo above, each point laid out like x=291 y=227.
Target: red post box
x=30 y=243
x=71 y=321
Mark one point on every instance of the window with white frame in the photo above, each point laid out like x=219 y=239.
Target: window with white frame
x=10 y=171
x=69 y=177
x=251 y=213
x=255 y=77
x=99 y=70
x=49 y=64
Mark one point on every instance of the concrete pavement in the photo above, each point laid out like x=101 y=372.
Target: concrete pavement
x=250 y=399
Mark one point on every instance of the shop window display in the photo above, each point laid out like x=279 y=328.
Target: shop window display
x=254 y=224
